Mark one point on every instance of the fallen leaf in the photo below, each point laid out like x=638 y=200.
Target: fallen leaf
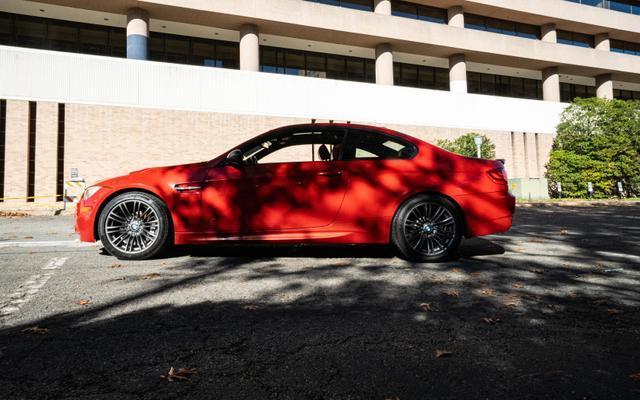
x=443 y=353
x=475 y=274
x=537 y=270
x=613 y=311
x=36 y=330
x=181 y=374
x=28 y=237
x=453 y=293
x=490 y=320
x=564 y=232
x=518 y=285
x=635 y=377
x=251 y=307
x=426 y=307
x=84 y=302
x=456 y=270
x=487 y=292
x=149 y=276
x=13 y=214
x=117 y=266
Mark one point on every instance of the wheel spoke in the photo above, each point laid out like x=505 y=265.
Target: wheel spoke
x=132 y=226
x=429 y=228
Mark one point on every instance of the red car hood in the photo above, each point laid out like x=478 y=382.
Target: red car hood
x=173 y=174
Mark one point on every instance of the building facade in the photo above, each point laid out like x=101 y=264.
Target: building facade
x=101 y=88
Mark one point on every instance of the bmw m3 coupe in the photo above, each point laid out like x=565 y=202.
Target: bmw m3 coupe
x=312 y=183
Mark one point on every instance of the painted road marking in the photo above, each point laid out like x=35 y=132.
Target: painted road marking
x=30 y=287
x=50 y=243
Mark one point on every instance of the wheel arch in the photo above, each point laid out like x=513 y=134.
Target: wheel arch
x=118 y=192
x=431 y=193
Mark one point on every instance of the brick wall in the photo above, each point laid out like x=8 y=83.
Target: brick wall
x=106 y=141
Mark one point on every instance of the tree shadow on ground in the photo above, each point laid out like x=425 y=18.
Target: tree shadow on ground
x=520 y=325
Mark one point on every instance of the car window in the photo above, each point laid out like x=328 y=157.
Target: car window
x=298 y=146
x=362 y=144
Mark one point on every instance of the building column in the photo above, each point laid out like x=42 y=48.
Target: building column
x=384 y=64
x=602 y=42
x=604 y=86
x=46 y=152
x=16 y=158
x=382 y=7
x=549 y=33
x=551 y=84
x=249 y=48
x=458 y=73
x=137 y=34
x=456 y=16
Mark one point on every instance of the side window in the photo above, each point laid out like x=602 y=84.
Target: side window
x=301 y=146
x=363 y=144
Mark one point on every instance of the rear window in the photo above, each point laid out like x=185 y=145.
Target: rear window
x=362 y=144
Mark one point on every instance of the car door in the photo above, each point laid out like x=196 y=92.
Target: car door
x=296 y=187
x=223 y=196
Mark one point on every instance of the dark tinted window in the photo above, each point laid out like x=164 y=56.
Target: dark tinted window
x=194 y=51
x=365 y=5
x=489 y=24
x=52 y=34
x=508 y=86
x=420 y=76
x=570 y=91
x=317 y=65
x=626 y=94
x=575 y=39
x=363 y=144
x=418 y=11
x=620 y=46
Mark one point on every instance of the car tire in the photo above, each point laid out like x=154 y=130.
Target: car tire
x=134 y=226
x=427 y=228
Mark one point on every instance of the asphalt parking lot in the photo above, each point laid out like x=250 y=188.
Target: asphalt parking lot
x=546 y=311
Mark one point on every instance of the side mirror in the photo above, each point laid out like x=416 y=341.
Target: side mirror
x=234 y=158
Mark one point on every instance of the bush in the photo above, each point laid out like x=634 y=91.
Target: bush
x=465 y=145
x=598 y=141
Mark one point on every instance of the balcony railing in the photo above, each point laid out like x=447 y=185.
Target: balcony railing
x=626 y=6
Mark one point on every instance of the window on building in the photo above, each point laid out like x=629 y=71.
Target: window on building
x=60 y=153
x=575 y=39
x=365 y=5
x=52 y=34
x=626 y=94
x=627 y=6
x=418 y=11
x=420 y=76
x=620 y=46
x=3 y=138
x=507 y=86
x=195 y=51
x=489 y=24
x=317 y=65
x=570 y=91
x=31 y=158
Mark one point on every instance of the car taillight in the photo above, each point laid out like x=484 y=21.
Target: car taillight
x=498 y=175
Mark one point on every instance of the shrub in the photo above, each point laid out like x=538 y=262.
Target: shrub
x=465 y=145
x=598 y=141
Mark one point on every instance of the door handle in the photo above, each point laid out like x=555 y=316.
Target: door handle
x=330 y=174
x=185 y=187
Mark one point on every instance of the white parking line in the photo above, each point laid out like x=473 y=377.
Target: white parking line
x=49 y=243
x=30 y=287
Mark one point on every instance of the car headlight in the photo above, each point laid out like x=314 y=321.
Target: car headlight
x=90 y=191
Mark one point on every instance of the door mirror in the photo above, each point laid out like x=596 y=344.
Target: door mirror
x=234 y=158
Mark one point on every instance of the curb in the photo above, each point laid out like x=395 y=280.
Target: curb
x=577 y=203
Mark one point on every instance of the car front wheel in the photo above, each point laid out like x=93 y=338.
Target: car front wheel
x=134 y=226
x=427 y=228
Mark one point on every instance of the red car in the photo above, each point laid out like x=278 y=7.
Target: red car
x=313 y=183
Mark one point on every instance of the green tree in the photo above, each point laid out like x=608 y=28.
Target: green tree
x=598 y=141
x=465 y=145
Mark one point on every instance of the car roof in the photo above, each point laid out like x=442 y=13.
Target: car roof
x=321 y=125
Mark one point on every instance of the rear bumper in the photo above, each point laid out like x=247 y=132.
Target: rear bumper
x=487 y=213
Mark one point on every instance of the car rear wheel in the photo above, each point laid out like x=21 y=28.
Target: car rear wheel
x=427 y=228
x=134 y=226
